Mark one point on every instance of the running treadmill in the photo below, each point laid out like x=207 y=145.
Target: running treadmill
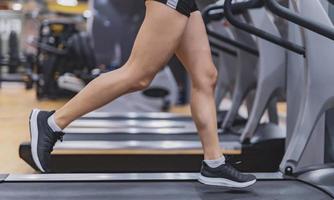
x=151 y=187
x=157 y=149
x=314 y=183
x=164 y=152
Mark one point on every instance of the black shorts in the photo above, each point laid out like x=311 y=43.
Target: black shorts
x=185 y=7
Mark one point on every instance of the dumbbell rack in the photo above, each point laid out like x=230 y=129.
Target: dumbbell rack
x=26 y=77
x=14 y=60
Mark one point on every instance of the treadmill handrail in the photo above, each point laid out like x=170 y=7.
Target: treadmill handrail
x=208 y=16
x=223 y=49
x=220 y=15
x=260 y=33
x=309 y=24
x=245 y=5
x=232 y=42
x=236 y=9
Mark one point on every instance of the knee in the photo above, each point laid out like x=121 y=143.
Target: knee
x=212 y=77
x=141 y=82
x=206 y=80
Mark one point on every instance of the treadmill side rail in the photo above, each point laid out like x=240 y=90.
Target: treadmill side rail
x=120 y=177
x=3 y=177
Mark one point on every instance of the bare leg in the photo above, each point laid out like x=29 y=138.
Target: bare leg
x=194 y=52
x=156 y=42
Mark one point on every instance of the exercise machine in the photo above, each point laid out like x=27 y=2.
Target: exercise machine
x=306 y=141
x=118 y=146
x=140 y=186
x=19 y=66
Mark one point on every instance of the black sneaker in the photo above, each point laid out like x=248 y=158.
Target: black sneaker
x=43 y=138
x=225 y=175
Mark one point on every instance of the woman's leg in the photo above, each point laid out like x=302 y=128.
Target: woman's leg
x=194 y=52
x=155 y=44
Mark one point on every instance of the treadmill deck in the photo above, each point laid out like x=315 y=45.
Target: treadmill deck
x=34 y=187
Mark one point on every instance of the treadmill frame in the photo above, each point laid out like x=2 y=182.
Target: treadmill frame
x=119 y=177
x=135 y=177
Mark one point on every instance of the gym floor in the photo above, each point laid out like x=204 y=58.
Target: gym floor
x=15 y=105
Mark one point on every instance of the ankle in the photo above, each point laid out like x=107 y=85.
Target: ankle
x=60 y=121
x=213 y=156
x=215 y=163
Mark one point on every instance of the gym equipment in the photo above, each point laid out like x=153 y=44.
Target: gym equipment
x=317 y=76
x=26 y=76
x=271 y=77
x=247 y=77
x=225 y=63
x=13 y=52
x=120 y=146
x=166 y=186
x=154 y=150
x=19 y=66
x=14 y=66
x=329 y=137
x=245 y=52
x=226 y=59
x=52 y=56
x=247 y=80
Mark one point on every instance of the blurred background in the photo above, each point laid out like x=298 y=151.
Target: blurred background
x=51 y=49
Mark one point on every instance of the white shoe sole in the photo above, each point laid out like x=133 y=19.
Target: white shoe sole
x=224 y=182
x=34 y=138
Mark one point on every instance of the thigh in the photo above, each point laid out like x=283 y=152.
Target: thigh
x=194 y=49
x=157 y=38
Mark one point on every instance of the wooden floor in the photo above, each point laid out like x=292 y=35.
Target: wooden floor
x=15 y=106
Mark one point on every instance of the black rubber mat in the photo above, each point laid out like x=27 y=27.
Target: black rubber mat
x=263 y=190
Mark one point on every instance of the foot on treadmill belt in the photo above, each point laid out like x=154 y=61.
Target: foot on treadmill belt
x=225 y=175
x=43 y=138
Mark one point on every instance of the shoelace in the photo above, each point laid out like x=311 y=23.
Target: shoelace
x=229 y=158
x=51 y=141
x=60 y=136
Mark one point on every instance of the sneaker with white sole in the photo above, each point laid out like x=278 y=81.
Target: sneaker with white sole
x=225 y=175
x=43 y=138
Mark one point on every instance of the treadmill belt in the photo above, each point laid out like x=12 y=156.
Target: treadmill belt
x=142 y=137
x=154 y=190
